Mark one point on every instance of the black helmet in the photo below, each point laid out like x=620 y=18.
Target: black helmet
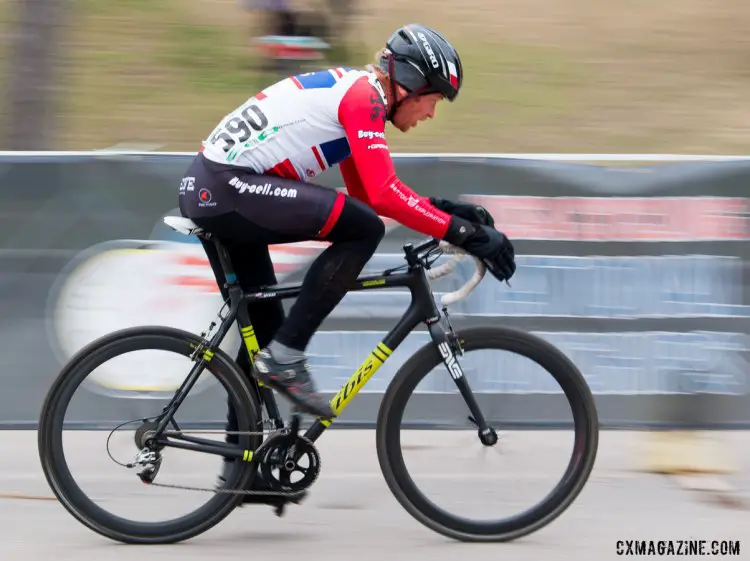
x=422 y=61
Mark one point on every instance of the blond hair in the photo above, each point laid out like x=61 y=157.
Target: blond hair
x=375 y=67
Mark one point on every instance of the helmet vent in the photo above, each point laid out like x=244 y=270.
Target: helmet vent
x=406 y=37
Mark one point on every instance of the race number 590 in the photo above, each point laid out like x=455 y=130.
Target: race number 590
x=239 y=128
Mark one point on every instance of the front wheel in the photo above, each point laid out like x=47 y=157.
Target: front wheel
x=391 y=445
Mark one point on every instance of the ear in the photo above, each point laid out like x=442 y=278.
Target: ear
x=401 y=92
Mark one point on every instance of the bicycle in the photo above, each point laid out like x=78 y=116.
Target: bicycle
x=285 y=447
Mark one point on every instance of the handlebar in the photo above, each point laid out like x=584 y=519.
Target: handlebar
x=448 y=268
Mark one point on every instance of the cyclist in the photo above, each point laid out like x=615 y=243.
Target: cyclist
x=249 y=185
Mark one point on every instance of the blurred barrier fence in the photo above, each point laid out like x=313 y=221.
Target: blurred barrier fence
x=638 y=272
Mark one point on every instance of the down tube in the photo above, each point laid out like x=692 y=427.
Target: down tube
x=371 y=364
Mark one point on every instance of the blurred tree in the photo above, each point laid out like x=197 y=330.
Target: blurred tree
x=35 y=55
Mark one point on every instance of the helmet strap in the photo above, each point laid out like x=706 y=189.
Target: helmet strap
x=394 y=104
x=392 y=78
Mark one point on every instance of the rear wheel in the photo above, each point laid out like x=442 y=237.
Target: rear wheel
x=238 y=474
x=390 y=449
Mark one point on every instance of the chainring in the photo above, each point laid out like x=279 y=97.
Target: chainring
x=288 y=457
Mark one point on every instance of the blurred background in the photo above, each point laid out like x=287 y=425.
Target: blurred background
x=637 y=268
x=541 y=75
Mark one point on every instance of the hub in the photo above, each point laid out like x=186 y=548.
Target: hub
x=144 y=433
x=488 y=436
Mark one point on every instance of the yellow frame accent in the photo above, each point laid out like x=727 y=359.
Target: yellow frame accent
x=346 y=394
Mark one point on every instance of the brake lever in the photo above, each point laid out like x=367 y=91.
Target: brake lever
x=436 y=253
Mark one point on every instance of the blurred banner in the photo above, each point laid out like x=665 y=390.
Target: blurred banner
x=638 y=273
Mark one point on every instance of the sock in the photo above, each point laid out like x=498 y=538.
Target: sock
x=285 y=355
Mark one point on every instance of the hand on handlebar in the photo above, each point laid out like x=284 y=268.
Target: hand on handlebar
x=495 y=249
x=486 y=243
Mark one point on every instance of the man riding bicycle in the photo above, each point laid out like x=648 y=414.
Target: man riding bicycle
x=249 y=185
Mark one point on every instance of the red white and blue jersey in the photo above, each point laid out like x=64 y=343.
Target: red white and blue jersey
x=308 y=123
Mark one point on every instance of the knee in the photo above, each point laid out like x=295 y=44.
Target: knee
x=359 y=222
x=371 y=229
x=375 y=229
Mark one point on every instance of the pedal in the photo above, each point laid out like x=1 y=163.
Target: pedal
x=274 y=500
x=263 y=493
x=281 y=507
x=278 y=503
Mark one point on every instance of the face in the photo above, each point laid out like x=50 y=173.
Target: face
x=414 y=110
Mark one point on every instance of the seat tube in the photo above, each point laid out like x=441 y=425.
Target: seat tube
x=226 y=263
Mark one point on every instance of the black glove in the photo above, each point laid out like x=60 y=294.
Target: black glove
x=486 y=243
x=471 y=212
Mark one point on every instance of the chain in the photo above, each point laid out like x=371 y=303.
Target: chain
x=272 y=431
x=288 y=494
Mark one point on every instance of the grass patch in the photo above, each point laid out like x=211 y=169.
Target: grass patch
x=541 y=75
x=119 y=7
x=507 y=87
x=208 y=61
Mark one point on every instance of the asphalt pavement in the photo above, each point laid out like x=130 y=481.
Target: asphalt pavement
x=351 y=515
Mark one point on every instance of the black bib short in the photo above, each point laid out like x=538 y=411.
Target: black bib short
x=249 y=212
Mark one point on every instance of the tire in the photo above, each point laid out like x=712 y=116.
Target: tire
x=53 y=459
x=585 y=416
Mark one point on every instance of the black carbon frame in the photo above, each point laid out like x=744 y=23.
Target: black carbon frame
x=422 y=308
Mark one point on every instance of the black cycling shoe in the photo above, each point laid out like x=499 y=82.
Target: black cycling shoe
x=294 y=381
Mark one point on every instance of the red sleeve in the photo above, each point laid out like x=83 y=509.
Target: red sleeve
x=353 y=182
x=369 y=173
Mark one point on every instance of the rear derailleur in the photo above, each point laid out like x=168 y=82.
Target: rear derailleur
x=149 y=455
